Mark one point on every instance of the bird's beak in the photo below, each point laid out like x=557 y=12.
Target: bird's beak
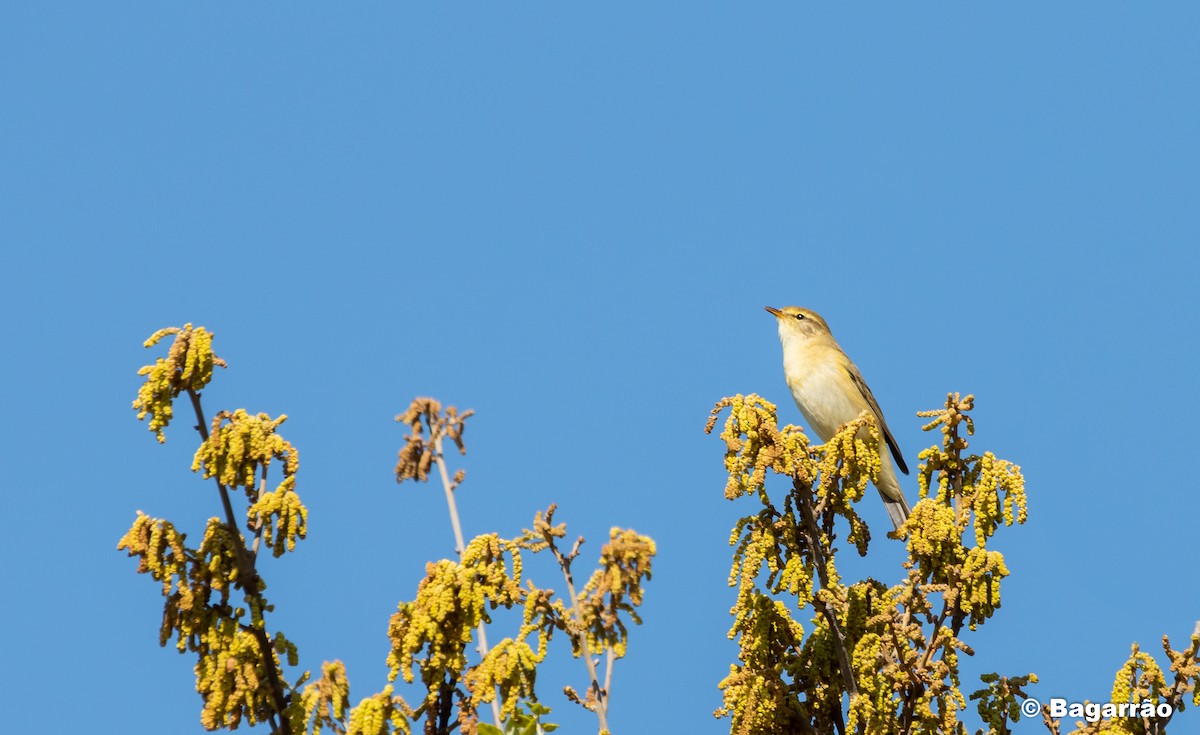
x=774 y=312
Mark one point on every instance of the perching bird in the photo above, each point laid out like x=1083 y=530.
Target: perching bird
x=830 y=391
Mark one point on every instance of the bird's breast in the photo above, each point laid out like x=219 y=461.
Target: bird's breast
x=824 y=393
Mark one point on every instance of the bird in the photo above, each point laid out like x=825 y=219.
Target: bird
x=829 y=390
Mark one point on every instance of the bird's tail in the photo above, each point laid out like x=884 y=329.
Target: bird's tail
x=897 y=509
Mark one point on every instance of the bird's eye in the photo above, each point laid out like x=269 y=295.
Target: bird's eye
x=799 y=316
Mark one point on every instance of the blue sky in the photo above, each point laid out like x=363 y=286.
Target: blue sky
x=569 y=218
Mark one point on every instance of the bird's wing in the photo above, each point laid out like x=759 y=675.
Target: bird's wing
x=887 y=433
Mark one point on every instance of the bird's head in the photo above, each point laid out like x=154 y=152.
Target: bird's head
x=798 y=322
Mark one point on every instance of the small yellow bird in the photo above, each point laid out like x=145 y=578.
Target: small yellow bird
x=829 y=391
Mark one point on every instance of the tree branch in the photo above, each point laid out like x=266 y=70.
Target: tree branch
x=460 y=547
x=564 y=562
x=812 y=534
x=249 y=581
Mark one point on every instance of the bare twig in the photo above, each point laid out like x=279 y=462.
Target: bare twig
x=1182 y=684
x=459 y=545
x=610 y=657
x=1050 y=723
x=580 y=635
x=258 y=526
